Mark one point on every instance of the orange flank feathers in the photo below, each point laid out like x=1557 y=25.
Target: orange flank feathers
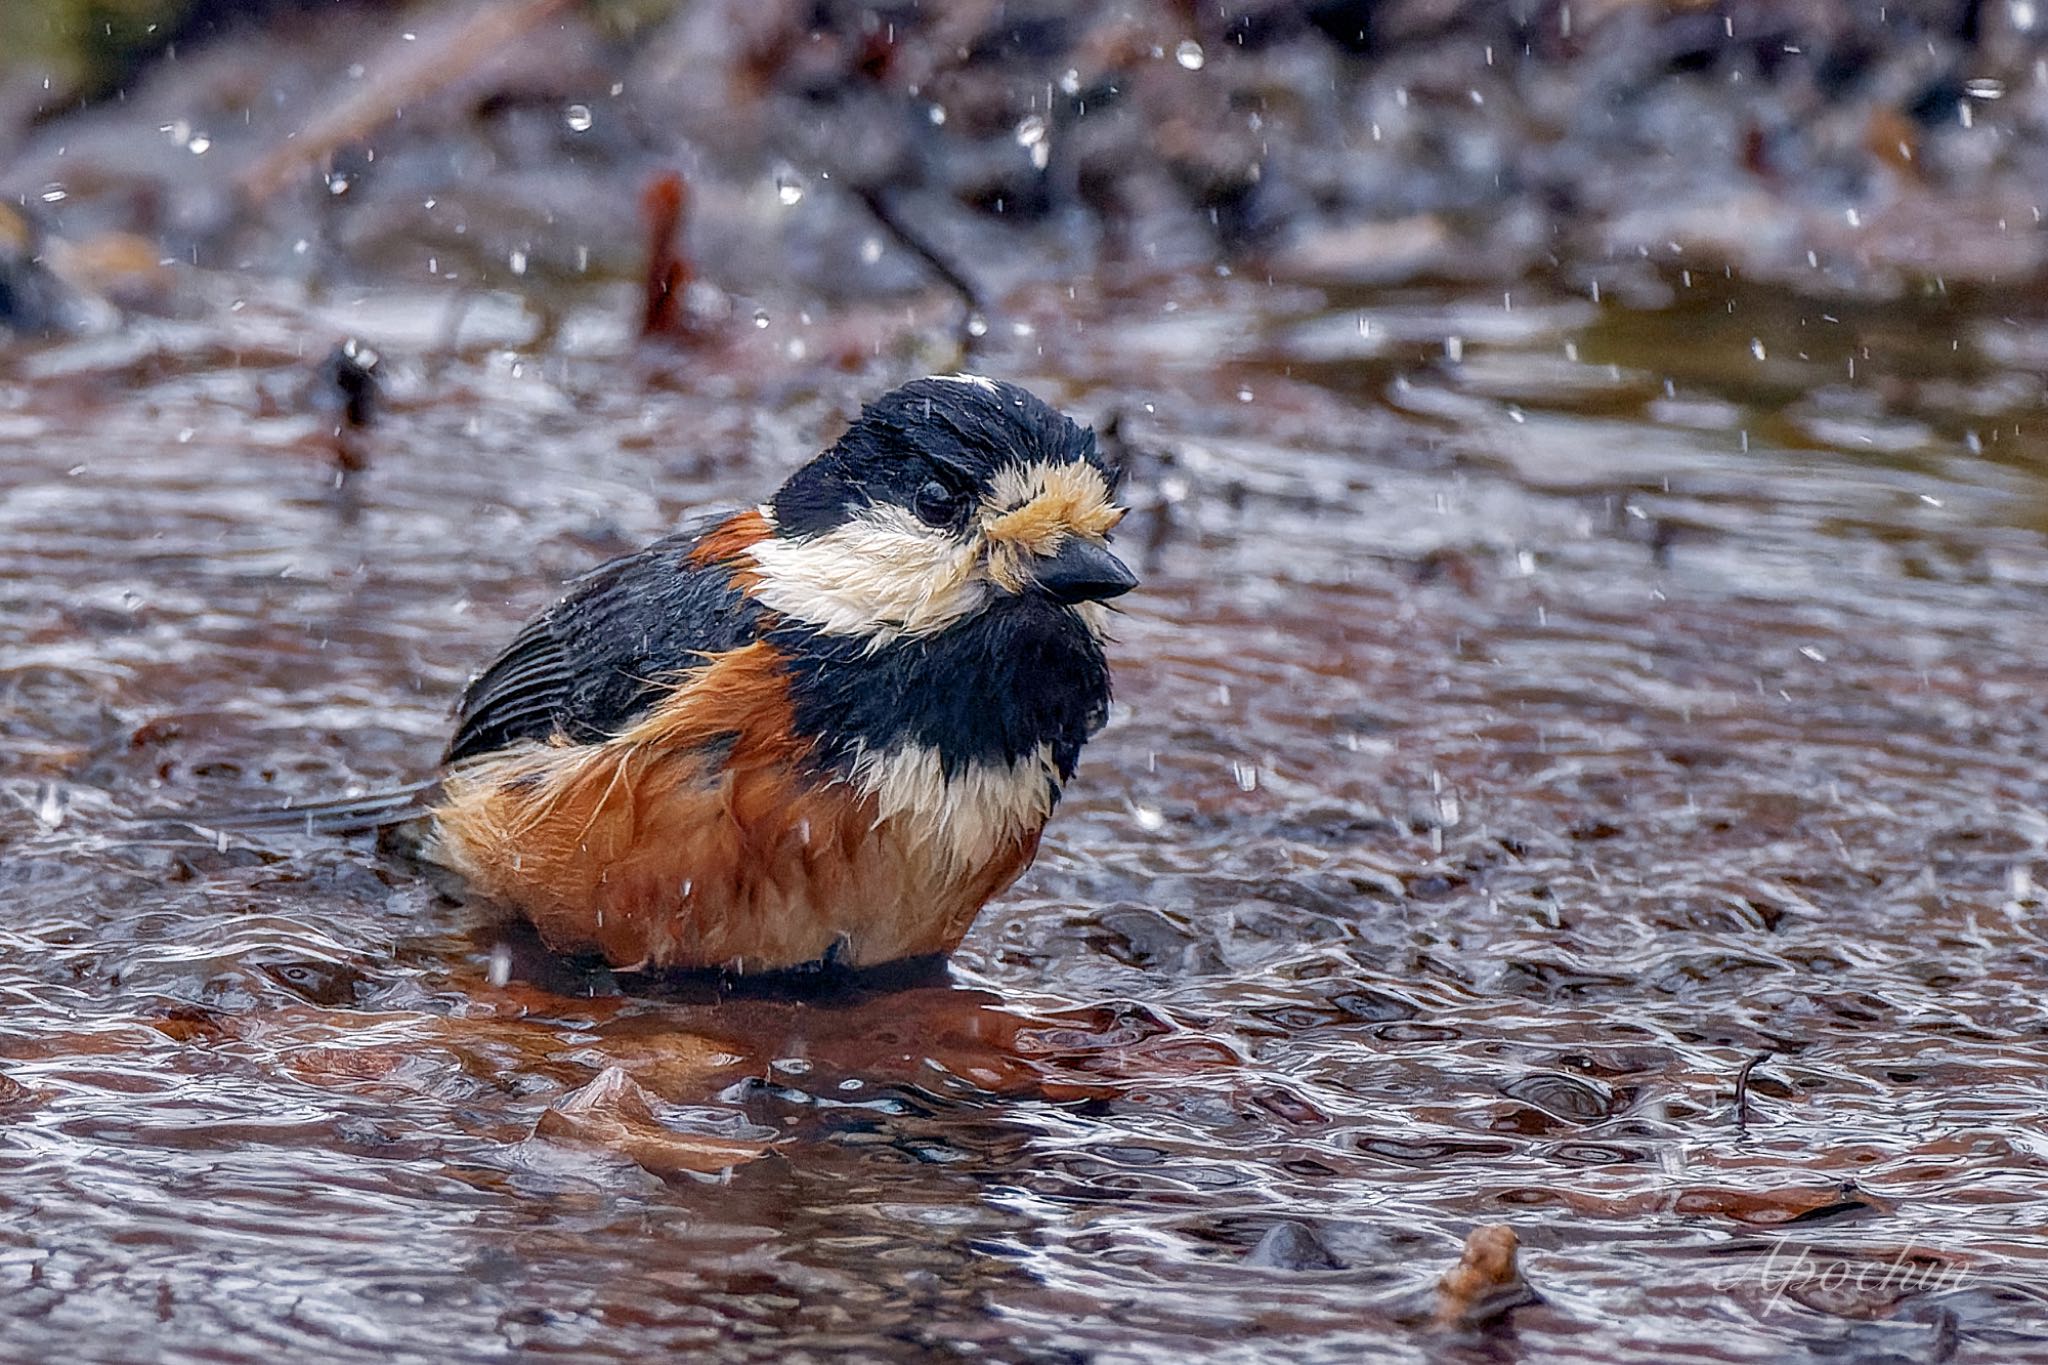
x=727 y=542
x=694 y=840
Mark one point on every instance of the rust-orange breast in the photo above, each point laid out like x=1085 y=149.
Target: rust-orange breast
x=695 y=839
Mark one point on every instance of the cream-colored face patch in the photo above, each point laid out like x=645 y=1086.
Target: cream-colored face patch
x=1031 y=511
x=979 y=810
x=883 y=574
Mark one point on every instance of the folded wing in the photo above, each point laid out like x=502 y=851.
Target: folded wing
x=622 y=636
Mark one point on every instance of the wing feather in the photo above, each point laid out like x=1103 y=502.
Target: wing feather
x=596 y=660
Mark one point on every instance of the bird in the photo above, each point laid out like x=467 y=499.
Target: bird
x=823 y=731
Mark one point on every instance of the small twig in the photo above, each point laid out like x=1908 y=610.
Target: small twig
x=663 y=206
x=1742 y=1089
x=914 y=242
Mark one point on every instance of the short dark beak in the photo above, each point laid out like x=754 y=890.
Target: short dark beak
x=1082 y=572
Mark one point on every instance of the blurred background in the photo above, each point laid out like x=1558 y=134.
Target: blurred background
x=1578 y=765
x=1832 y=147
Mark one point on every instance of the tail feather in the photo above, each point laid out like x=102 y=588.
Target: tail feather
x=331 y=815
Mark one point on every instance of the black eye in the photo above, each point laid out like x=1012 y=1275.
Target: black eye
x=936 y=504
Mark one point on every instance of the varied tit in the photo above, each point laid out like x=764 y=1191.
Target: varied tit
x=827 y=729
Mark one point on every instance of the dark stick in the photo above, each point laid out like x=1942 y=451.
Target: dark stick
x=915 y=243
x=1742 y=1089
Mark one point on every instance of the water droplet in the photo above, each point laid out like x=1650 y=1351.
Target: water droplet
x=1070 y=82
x=518 y=262
x=500 y=970
x=53 y=194
x=977 y=326
x=760 y=317
x=937 y=114
x=337 y=184
x=199 y=144
x=1756 y=347
x=1189 y=54
x=789 y=190
x=870 y=250
x=1984 y=88
x=577 y=116
x=1454 y=349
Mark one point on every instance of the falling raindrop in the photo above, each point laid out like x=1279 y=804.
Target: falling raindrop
x=870 y=250
x=760 y=317
x=199 y=144
x=788 y=189
x=1756 y=347
x=1984 y=88
x=977 y=325
x=518 y=262
x=577 y=116
x=1190 y=55
x=1031 y=136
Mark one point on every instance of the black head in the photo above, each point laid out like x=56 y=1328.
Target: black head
x=956 y=430
x=942 y=498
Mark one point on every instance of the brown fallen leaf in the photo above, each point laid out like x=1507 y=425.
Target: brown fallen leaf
x=613 y=1111
x=674 y=1065
x=13 y=1093
x=1485 y=1283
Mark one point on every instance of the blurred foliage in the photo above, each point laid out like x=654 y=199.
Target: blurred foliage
x=90 y=48
x=86 y=41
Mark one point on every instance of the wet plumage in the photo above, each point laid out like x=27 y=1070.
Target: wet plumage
x=827 y=728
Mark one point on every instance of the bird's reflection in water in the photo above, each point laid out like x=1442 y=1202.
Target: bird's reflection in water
x=690 y=1037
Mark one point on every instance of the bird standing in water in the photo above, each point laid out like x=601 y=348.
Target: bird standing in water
x=824 y=730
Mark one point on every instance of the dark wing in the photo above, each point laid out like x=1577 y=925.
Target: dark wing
x=595 y=661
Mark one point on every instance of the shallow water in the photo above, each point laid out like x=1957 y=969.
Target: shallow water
x=1536 y=710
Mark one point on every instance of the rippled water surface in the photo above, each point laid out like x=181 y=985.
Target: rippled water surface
x=1538 y=711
